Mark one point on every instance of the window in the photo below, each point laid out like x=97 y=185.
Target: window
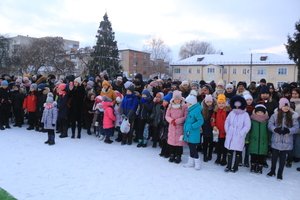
x=210 y=70
x=282 y=71
x=261 y=72
x=263 y=58
x=198 y=71
x=244 y=71
x=190 y=70
x=234 y=71
x=200 y=59
x=177 y=70
x=224 y=71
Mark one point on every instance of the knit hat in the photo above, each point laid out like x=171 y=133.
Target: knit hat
x=229 y=85
x=185 y=83
x=4 y=83
x=195 y=84
x=62 y=86
x=191 y=99
x=263 y=80
x=41 y=86
x=33 y=86
x=247 y=96
x=177 y=95
x=49 y=98
x=128 y=84
x=78 y=80
x=264 y=90
x=18 y=81
x=260 y=107
x=221 y=83
x=168 y=97
x=105 y=83
x=146 y=92
x=208 y=98
x=131 y=88
x=284 y=102
x=194 y=93
x=238 y=102
x=161 y=95
x=221 y=98
x=208 y=87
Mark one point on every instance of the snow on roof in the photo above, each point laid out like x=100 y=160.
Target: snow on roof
x=236 y=59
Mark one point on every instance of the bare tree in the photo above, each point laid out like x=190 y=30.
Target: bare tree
x=44 y=54
x=159 y=51
x=196 y=47
x=84 y=57
x=4 y=48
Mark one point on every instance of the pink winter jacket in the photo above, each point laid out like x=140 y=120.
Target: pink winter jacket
x=175 y=132
x=109 y=117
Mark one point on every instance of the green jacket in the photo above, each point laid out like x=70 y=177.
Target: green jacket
x=258 y=138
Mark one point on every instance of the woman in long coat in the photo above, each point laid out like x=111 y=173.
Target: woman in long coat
x=237 y=125
x=175 y=116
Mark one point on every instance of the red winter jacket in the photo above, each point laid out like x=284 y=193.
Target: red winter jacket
x=30 y=103
x=109 y=117
x=218 y=119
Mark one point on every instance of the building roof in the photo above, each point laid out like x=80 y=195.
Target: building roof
x=236 y=59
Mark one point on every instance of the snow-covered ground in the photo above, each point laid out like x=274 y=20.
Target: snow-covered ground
x=88 y=169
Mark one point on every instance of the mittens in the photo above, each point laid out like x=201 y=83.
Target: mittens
x=277 y=130
x=286 y=131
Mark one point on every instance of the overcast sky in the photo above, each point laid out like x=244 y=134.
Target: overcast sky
x=232 y=26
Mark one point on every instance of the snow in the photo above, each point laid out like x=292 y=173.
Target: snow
x=90 y=169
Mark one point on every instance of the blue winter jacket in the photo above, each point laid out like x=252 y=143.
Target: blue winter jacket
x=129 y=105
x=192 y=124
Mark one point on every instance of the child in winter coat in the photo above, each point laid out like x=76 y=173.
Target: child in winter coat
x=30 y=106
x=208 y=109
x=218 y=123
x=143 y=115
x=98 y=117
x=258 y=138
x=175 y=116
x=192 y=130
x=157 y=118
x=165 y=148
x=117 y=111
x=49 y=118
x=109 y=119
x=249 y=108
x=129 y=106
x=237 y=125
x=283 y=124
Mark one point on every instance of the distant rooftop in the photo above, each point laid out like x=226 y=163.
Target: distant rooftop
x=236 y=59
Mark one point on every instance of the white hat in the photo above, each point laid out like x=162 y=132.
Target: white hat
x=194 y=93
x=191 y=99
x=128 y=84
x=78 y=80
x=229 y=85
x=49 y=98
x=247 y=96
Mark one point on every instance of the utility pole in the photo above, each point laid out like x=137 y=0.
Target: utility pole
x=251 y=68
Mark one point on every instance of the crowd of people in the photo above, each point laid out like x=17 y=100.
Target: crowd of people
x=243 y=124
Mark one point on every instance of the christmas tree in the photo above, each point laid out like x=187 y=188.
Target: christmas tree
x=106 y=53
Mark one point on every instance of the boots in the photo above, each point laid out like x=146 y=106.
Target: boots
x=108 y=140
x=140 y=144
x=119 y=138
x=172 y=158
x=253 y=167
x=197 y=163
x=259 y=169
x=229 y=163
x=223 y=161
x=177 y=159
x=271 y=173
x=218 y=159
x=236 y=163
x=124 y=139
x=190 y=163
x=210 y=150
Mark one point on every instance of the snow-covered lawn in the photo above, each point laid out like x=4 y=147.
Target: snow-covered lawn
x=87 y=169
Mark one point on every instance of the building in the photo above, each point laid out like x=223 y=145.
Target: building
x=233 y=68
x=20 y=40
x=134 y=62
